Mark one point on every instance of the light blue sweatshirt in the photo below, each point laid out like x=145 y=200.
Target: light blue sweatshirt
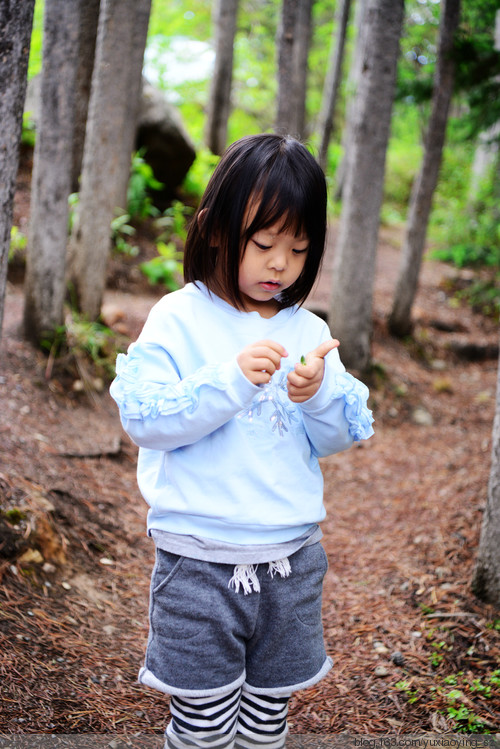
x=219 y=457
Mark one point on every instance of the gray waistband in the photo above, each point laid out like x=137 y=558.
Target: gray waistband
x=209 y=550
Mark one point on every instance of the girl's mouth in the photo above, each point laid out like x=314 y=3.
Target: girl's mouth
x=270 y=285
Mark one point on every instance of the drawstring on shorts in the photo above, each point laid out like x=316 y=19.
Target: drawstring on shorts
x=246 y=575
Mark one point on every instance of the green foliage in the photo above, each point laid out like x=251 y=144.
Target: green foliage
x=28 y=133
x=412 y=695
x=478 y=66
x=173 y=222
x=200 y=172
x=18 y=242
x=141 y=183
x=462 y=704
x=84 y=350
x=121 y=231
x=35 y=59
x=167 y=268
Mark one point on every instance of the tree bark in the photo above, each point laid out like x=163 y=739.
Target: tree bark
x=486 y=577
x=294 y=34
x=16 y=20
x=300 y=68
x=51 y=181
x=114 y=98
x=219 y=104
x=86 y=54
x=354 y=264
x=399 y=322
x=353 y=79
x=332 y=82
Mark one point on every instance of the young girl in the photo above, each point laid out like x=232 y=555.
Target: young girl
x=232 y=392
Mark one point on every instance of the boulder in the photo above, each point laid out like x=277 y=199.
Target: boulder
x=168 y=148
x=161 y=132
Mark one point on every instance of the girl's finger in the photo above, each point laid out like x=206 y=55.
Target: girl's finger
x=324 y=348
x=296 y=380
x=264 y=364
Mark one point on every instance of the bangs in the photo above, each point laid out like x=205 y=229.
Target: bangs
x=280 y=200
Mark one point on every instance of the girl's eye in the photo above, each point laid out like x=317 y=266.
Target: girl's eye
x=300 y=252
x=262 y=246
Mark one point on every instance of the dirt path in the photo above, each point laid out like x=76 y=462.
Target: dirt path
x=404 y=512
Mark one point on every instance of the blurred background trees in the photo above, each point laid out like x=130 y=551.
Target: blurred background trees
x=297 y=66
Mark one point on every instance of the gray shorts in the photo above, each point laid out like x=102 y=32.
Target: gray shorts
x=205 y=638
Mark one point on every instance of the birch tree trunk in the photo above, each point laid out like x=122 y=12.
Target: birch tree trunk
x=45 y=287
x=294 y=34
x=332 y=82
x=219 y=104
x=354 y=265
x=121 y=40
x=486 y=577
x=16 y=20
x=399 y=322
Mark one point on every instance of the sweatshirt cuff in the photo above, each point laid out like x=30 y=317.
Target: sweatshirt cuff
x=241 y=390
x=355 y=395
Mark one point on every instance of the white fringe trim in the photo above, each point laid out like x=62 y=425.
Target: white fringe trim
x=246 y=575
x=280 y=566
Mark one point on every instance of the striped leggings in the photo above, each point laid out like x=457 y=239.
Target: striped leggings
x=236 y=719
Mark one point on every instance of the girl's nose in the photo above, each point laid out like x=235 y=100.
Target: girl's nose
x=278 y=261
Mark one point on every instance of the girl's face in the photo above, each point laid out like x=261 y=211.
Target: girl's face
x=272 y=261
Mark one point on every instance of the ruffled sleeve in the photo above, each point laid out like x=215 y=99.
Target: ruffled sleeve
x=141 y=399
x=355 y=394
x=337 y=415
x=163 y=411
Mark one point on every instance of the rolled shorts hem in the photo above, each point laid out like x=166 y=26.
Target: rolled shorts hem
x=148 y=678
x=282 y=691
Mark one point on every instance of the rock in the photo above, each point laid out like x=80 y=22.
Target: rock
x=398 y=658
x=381 y=671
x=31 y=556
x=379 y=647
x=168 y=148
x=422 y=417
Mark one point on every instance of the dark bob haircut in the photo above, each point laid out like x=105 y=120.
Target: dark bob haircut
x=277 y=176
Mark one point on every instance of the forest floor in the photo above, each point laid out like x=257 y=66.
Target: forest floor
x=415 y=652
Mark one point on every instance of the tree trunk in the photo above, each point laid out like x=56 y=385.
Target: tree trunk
x=16 y=21
x=354 y=265
x=138 y=32
x=352 y=87
x=293 y=48
x=486 y=578
x=399 y=322
x=86 y=54
x=51 y=182
x=332 y=82
x=121 y=39
x=300 y=60
x=219 y=104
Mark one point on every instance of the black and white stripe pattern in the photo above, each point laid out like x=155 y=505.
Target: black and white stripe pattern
x=236 y=719
x=262 y=721
x=203 y=721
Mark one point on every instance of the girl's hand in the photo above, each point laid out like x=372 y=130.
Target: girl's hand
x=260 y=360
x=305 y=380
